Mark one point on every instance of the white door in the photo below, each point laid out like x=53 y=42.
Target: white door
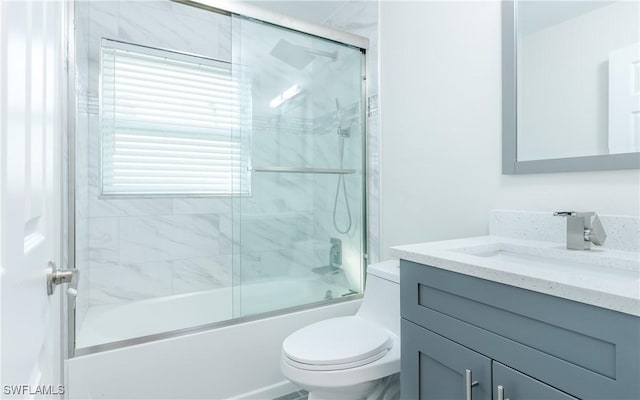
x=31 y=121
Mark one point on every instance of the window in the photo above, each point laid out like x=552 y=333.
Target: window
x=171 y=124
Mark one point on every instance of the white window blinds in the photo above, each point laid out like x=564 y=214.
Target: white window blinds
x=171 y=124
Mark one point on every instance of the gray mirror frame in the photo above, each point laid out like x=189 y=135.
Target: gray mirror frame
x=510 y=163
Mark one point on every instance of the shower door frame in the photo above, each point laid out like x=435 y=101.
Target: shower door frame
x=226 y=8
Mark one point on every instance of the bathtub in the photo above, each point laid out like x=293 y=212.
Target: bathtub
x=239 y=360
x=122 y=321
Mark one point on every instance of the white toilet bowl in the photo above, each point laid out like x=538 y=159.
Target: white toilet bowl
x=349 y=358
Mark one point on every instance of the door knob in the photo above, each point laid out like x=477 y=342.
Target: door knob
x=57 y=277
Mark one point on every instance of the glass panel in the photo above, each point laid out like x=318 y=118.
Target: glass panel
x=150 y=263
x=301 y=230
x=291 y=232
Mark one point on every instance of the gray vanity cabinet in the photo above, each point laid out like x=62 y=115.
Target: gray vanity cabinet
x=438 y=366
x=534 y=345
x=518 y=386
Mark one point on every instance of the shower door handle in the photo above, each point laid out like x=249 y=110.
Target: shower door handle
x=57 y=277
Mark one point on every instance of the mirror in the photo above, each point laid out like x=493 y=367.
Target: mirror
x=571 y=85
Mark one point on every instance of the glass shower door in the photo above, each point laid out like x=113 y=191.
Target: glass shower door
x=218 y=170
x=299 y=235
x=155 y=169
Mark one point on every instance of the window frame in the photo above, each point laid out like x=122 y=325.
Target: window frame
x=238 y=135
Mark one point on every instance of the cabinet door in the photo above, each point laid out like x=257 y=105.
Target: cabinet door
x=518 y=386
x=433 y=367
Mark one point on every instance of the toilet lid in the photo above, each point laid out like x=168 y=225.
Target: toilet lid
x=337 y=341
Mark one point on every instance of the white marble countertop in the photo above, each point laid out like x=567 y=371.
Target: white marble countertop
x=600 y=277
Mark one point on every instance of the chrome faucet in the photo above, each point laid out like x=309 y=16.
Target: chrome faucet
x=581 y=230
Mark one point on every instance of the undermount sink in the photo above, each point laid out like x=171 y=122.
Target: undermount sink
x=546 y=257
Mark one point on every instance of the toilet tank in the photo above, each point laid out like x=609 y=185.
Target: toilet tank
x=381 y=301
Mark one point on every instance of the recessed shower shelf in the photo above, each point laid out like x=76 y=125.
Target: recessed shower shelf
x=302 y=170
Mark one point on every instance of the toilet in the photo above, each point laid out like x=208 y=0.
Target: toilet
x=354 y=357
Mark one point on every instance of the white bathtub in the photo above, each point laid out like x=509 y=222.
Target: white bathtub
x=115 y=322
x=235 y=361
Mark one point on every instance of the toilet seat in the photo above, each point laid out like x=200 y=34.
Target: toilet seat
x=337 y=343
x=335 y=367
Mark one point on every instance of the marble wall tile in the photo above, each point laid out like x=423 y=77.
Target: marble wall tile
x=93 y=135
x=122 y=282
x=103 y=240
x=294 y=261
x=278 y=193
x=82 y=242
x=302 y=261
x=226 y=239
x=275 y=264
x=205 y=273
x=103 y=22
x=321 y=250
x=195 y=12
x=106 y=207
x=359 y=17
x=205 y=205
x=273 y=232
x=247 y=268
x=291 y=262
x=169 y=237
x=326 y=152
x=155 y=24
x=273 y=193
x=274 y=148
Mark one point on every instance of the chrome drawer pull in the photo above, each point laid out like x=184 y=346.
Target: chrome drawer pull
x=468 y=384
x=501 y=393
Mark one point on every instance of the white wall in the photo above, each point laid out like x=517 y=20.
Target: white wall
x=441 y=130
